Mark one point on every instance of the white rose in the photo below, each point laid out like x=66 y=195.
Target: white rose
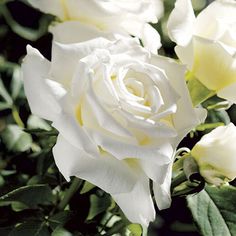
x=83 y=20
x=207 y=44
x=215 y=155
x=120 y=113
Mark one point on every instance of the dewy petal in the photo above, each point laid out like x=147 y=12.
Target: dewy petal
x=137 y=204
x=162 y=191
x=106 y=172
x=43 y=94
x=181 y=22
x=75 y=32
x=53 y=7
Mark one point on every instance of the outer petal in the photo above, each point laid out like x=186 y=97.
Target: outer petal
x=186 y=117
x=65 y=57
x=162 y=191
x=217 y=14
x=67 y=124
x=150 y=38
x=108 y=173
x=144 y=31
x=43 y=94
x=75 y=32
x=54 y=7
x=214 y=64
x=186 y=54
x=155 y=172
x=181 y=22
x=137 y=204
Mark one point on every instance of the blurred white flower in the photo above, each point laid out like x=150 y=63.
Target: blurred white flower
x=207 y=44
x=82 y=20
x=215 y=155
x=120 y=112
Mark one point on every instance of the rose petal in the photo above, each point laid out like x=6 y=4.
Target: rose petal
x=160 y=153
x=155 y=172
x=43 y=94
x=150 y=38
x=185 y=117
x=213 y=61
x=53 y=7
x=228 y=93
x=68 y=125
x=181 y=22
x=162 y=191
x=75 y=32
x=108 y=173
x=186 y=54
x=137 y=204
x=65 y=58
x=216 y=15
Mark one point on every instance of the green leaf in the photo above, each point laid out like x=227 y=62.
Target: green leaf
x=213 y=211
x=5 y=231
x=198 y=92
x=61 y=232
x=31 y=228
x=87 y=187
x=18 y=206
x=25 y=32
x=30 y=196
x=16 y=83
x=134 y=230
x=4 y=106
x=35 y=122
x=16 y=139
x=5 y=94
x=59 y=219
x=98 y=205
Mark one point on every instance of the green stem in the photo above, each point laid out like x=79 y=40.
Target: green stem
x=179 y=179
x=16 y=117
x=178 y=165
x=75 y=185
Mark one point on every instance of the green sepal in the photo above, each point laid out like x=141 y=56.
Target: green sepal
x=198 y=92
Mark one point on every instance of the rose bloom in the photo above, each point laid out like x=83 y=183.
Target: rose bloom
x=207 y=44
x=120 y=113
x=87 y=19
x=215 y=155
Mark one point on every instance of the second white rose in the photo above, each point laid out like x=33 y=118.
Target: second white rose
x=83 y=20
x=207 y=44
